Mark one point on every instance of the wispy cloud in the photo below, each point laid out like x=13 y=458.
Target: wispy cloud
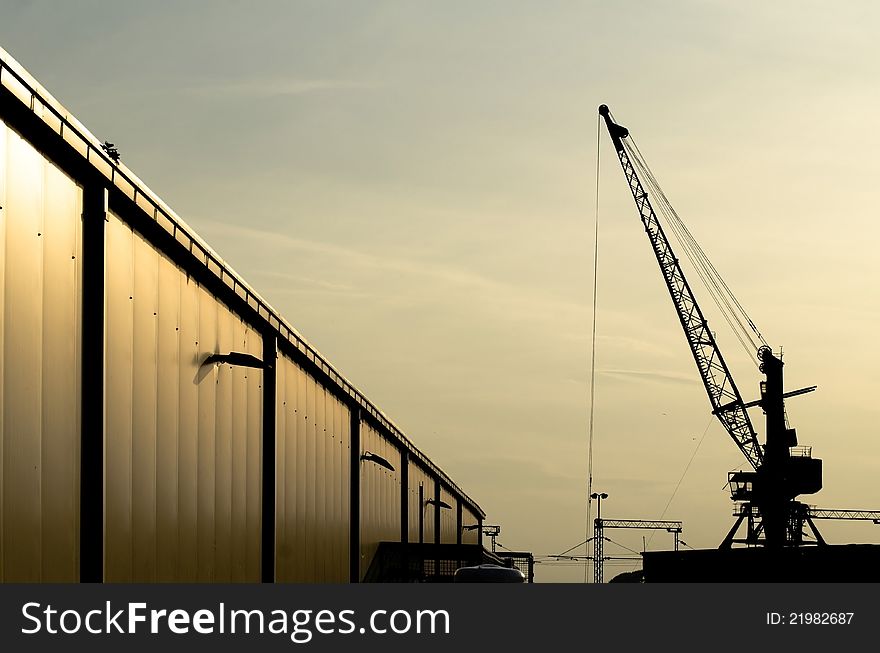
x=629 y=343
x=277 y=87
x=531 y=299
x=649 y=375
x=304 y=282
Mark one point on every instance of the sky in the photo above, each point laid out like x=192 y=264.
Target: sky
x=413 y=185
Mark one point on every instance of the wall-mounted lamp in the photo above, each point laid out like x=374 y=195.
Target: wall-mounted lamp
x=437 y=502
x=234 y=358
x=376 y=458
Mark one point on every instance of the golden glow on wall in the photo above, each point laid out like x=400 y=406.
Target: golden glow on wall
x=40 y=286
x=380 y=496
x=183 y=439
x=313 y=475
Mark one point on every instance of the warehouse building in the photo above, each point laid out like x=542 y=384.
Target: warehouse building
x=159 y=421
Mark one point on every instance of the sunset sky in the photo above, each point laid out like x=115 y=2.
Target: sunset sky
x=412 y=184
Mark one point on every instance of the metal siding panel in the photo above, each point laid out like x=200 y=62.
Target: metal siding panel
x=168 y=420
x=381 y=489
x=448 y=528
x=322 y=484
x=239 y=460
x=380 y=514
x=188 y=425
x=254 y=470
x=327 y=481
x=23 y=362
x=312 y=507
x=295 y=473
x=302 y=502
x=39 y=352
x=412 y=501
x=280 y=465
x=246 y=460
x=468 y=518
x=208 y=344
x=429 y=515
x=419 y=475
x=380 y=496
x=345 y=483
x=119 y=328
x=365 y=478
x=311 y=550
x=391 y=496
x=318 y=488
x=228 y=377
x=302 y=486
x=335 y=525
x=331 y=481
x=392 y=532
x=60 y=376
x=192 y=494
x=285 y=464
x=145 y=376
x=341 y=498
x=4 y=212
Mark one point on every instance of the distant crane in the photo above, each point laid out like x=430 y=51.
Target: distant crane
x=600 y=525
x=490 y=530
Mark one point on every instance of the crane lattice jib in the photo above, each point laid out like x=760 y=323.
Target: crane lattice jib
x=723 y=394
x=863 y=515
x=655 y=525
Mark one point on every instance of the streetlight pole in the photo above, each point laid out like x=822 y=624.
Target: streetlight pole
x=598 y=539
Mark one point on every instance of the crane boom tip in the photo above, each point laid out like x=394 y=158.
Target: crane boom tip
x=603 y=109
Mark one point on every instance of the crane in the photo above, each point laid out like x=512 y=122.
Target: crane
x=599 y=556
x=780 y=470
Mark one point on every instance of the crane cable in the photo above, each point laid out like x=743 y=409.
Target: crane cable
x=589 y=524
x=678 y=485
x=731 y=309
x=683 y=474
x=713 y=280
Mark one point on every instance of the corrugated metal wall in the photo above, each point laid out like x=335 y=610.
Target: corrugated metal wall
x=468 y=518
x=183 y=455
x=417 y=476
x=380 y=495
x=40 y=286
x=313 y=479
x=183 y=440
x=448 y=518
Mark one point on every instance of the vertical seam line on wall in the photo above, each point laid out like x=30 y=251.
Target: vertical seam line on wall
x=41 y=354
x=131 y=516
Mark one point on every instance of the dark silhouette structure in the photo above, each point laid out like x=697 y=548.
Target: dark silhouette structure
x=766 y=495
